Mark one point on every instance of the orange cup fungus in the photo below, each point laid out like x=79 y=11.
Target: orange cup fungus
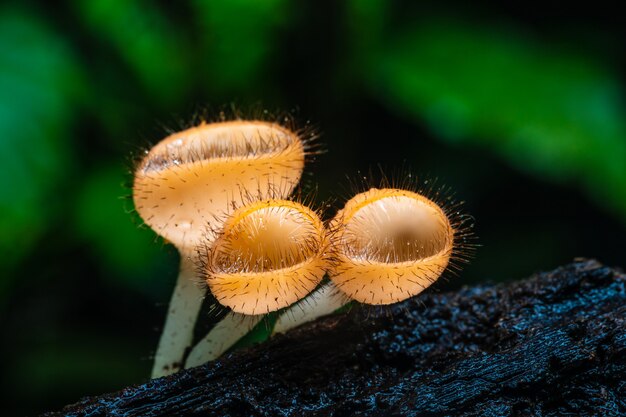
x=190 y=177
x=218 y=192
x=269 y=255
x=188 y=182
x=389 y=245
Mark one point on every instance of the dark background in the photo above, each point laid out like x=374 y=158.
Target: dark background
x=518 y=108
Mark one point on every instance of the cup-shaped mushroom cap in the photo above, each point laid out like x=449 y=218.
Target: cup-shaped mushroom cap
x=389 y=245
x=269 y=255
x=192 y=177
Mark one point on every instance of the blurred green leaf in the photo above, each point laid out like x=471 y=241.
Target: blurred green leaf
x=367 y=21
x=549 y=112
x=146 y=40
x=39 y=79
x=130 y=255
x=240 y=39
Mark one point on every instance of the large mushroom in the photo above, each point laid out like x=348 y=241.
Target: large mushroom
x=188 y=182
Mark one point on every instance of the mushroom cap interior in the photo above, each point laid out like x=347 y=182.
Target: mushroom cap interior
x=395 y=228
x=236 y=139
x=267 y=238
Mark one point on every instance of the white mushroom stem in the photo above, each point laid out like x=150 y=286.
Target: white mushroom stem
x=234 y=326
x=221 y=337
x=322 y=302
x=182 y=314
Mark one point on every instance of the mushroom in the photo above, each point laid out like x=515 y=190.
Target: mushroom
x=268 y=255
x=389 y=245
x=386 y=245
x=189 y=181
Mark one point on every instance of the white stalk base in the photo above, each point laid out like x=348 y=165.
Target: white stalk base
x=221 y=337
x=321 y=302
x=181 y=319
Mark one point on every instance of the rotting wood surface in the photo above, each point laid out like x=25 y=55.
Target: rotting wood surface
x=551 y=345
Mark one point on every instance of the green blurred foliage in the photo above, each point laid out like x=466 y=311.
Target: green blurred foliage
x=547 y=111
x=148 y=43
x=240 y=43
x=40 y=80
x=130 y=255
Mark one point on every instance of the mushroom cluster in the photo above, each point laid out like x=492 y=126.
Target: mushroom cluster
x=192 y=179
x=221 y=193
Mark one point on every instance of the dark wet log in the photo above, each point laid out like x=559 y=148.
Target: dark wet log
x=552 y=345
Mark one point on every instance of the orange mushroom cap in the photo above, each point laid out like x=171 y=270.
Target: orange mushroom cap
x=389 y=245
x=269 y=255
x=192 y=177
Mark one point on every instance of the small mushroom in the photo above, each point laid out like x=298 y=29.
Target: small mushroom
x=389 y=245
x=269 y=255
x=190 y=180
